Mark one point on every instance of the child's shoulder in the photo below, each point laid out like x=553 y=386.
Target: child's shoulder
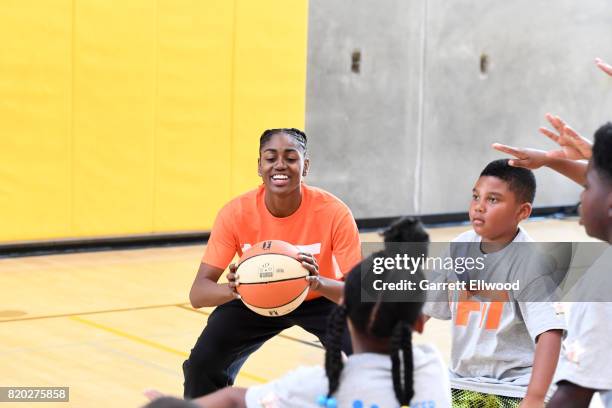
x=523 y=236
x=426 y=355
x=310 y=372
x=297 y=388
x=467 y=236
x=431 y=378
x=472 y=236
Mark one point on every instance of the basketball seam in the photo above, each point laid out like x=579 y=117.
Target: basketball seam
x=281 y=280
x=271 y=281
x=270 y=253
x=285 y=304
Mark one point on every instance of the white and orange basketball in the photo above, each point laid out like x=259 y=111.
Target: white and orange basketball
x=272 y=278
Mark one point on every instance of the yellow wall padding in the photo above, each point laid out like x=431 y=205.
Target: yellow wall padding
x=138 y=116
x=113 y=116
x=193 y=132
x=35 y=123
x=270 y=56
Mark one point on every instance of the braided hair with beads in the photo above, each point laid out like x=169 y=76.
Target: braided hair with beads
x=384 y=320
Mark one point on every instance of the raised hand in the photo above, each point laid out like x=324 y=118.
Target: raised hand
x=573 y=146
x=607 y=68
x=527 y=158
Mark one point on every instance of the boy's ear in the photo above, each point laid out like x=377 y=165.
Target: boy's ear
x=259 y=167
x=525 y=211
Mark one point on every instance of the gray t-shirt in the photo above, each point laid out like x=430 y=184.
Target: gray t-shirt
x=586 y=356
x=366 y=377
x=493 y=343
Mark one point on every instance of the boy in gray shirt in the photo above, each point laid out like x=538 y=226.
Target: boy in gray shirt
x=504 y=347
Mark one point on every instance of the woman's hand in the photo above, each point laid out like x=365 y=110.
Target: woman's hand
x=232 y=280
x=309 y=262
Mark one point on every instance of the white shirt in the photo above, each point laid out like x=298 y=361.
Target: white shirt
x=586 y=356
x=366 y=377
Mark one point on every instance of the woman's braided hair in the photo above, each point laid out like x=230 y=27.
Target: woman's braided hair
x=298 y=135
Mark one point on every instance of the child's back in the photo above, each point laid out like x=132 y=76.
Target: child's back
x=365 y=378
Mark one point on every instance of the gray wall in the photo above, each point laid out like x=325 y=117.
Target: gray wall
x=410 y=132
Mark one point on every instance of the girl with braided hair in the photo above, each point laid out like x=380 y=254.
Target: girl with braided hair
x=380 y=329
x=385 y=371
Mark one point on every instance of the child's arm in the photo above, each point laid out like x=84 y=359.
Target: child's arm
x=548 y=347
x=534 y=159
x=607 y=68
x=574 y=170
x=567 y=160
x=570 y=395
x=573 y=145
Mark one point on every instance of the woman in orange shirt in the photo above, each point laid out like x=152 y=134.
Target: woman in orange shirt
x=283 y=208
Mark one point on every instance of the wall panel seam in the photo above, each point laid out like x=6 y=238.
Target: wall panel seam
x=232 y=127
x=155 y=123
x=418 y=173
x=72 y=119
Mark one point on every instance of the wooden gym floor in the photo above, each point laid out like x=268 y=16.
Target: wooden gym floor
x=111 y=324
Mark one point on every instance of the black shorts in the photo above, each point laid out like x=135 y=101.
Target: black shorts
x=233 y=332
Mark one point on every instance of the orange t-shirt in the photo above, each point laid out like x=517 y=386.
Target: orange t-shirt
x=322 y=225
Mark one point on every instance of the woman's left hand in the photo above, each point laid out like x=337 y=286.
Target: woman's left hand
x=310 y=263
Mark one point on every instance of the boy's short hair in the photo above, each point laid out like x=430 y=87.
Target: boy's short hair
x=602 y=151
x=520 y=181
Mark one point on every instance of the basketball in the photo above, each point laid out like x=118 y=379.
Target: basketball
x=272 y=278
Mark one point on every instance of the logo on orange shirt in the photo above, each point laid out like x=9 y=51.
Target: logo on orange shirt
x=490 y=312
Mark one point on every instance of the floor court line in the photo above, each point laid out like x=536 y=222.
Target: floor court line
x=184 y=306
x=129 y=309
x=153 y=344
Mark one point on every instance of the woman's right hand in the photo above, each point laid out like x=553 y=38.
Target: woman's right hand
x=232 y=280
